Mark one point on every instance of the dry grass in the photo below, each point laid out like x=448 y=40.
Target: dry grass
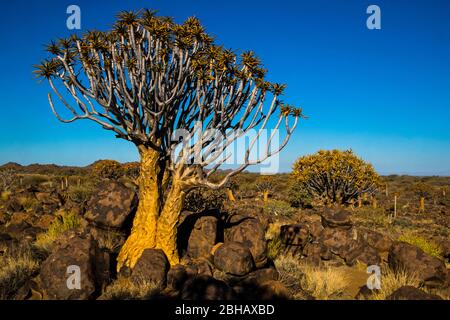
x=124 y=289
x=15 y=269
x=392 y=280
x=65 y=222
x=111 y=241
x=323 y=283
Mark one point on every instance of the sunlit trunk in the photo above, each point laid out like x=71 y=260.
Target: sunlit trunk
x=143 y=232
x=169 y=220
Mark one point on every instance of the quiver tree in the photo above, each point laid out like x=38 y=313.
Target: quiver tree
x=265 y=187
x=147 y=80
x=335 y=176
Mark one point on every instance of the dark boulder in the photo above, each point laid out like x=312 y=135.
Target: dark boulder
x=337 y=219
x=295 y=234
x=376 y=240
x=152 y=266
x=234 y=258
x=412 y=293
x=251 y=233
x=111 y=205
x=430 y=270
x=177 y=276
x=202 y=236
x=74 y=251
x=202 y=287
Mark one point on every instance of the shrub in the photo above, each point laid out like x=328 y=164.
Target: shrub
x=15 y=269
x=107 y=169
x=34 y=179
x=65 y=222
x=335 y=176
x=427 y=246
x=204 y=199
x=299 y=197
x=7 y=177
x=279 y=208
x=80 y=194
x=28 y=203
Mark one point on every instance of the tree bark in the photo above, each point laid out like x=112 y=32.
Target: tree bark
x=166 y=238
x=143 y=232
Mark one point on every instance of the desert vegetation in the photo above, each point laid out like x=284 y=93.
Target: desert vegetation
x=287 y=250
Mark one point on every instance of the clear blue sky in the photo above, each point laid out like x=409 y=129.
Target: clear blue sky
x=384 y=93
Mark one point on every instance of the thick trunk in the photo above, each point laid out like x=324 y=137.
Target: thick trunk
x=143 y=233
x=168 y=221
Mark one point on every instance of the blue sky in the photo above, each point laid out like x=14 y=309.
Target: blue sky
x=384 y=93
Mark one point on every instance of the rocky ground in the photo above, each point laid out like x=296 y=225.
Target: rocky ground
x=247 y=249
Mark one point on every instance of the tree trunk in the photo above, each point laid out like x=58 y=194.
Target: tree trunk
x=230 y=195
x=166 y=238
x=266 y=195
x=143 y=232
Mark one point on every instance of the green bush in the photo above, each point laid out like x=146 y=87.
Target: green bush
x=299 y=197
x=428 y=246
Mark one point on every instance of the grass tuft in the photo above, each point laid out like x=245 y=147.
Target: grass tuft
x=65 y=222
x=15 y=269
x=323 y=283
x=125 y=289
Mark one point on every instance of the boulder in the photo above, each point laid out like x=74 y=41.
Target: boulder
x=176 y=277
x=203 y=234
x=74 y=251
x=294 y=234
x=152 y=266
x=411 y=293
x=430 y=270
x=202 y=287
x=261 y=276
x=251 y=233
x=234 y=258
x=360 y=251
x=337 y=240
x=111 y=205
x=376 y=240
x=44 y=221
x=23 y=232
x=346 y=244
x=315 y=229
x=337 y=219
x=4 y=217
x=317 y=251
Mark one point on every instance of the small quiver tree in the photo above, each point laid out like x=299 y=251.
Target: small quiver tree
x=335 y=177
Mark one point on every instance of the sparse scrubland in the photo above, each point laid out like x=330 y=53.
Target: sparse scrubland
x=313 y=250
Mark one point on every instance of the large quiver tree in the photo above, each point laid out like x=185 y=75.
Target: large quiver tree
x=147 y=79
